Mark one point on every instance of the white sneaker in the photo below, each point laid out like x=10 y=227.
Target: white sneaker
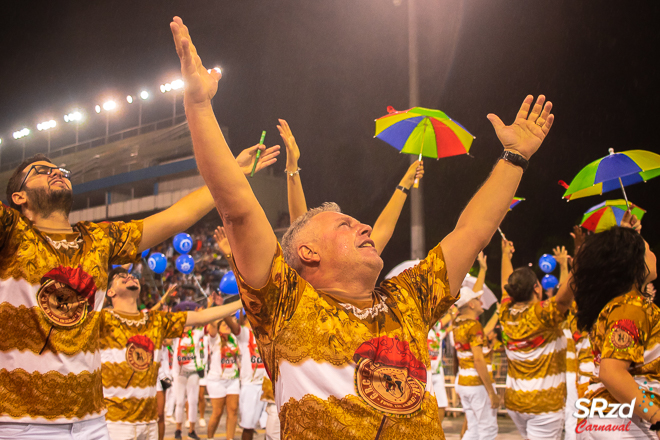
x=202 y=423
x=187 y=424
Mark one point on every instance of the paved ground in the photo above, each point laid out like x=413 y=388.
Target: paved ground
x=451 y=425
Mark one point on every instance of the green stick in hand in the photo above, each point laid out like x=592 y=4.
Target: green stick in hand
x=256 y=158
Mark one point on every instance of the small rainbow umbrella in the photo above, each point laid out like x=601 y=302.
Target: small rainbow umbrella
x=608 y=214
x=613 y=171
x=514 y=203
x=424 y=132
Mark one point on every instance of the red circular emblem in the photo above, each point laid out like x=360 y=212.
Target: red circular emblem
x=389 y=389
x=138 y=357
x=61 y=305
x=389 y=377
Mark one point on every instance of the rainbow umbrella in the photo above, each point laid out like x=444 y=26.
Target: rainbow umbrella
x=608 y=214
x=424 y=132
x=515 y=202
x=616 y=170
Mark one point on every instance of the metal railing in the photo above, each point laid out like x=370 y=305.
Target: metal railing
x=103 y=140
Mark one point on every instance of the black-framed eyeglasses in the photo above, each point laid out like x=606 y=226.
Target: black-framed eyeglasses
x=44 y=169
x=126 y=276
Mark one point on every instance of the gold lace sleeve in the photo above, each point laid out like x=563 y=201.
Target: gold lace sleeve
x=625 y=331
x=173 y=324
x=428 y=283
x=269 y=308
x=475 y=335
x=124 y=240
x=8 y=218
x=548 y=313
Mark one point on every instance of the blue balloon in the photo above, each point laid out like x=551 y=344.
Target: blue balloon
x=145 y=253
x=228 y=284
x=185 y=263
x=547 y=263
x=549 y=281
x=183 y=243
x=157 y=262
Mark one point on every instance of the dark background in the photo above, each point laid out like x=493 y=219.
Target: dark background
x=331 y=67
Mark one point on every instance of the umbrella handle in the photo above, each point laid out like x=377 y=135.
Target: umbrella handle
x=624 y=194
x=416 y=184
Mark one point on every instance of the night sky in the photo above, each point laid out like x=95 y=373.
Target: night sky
x=331 y=67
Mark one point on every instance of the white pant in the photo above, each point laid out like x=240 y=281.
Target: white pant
x=570 y=422
x=133 y=431
x=273 y=423
x=94 y=429
x=638 y=429
x=170 y=400
x=250 y=405
x=186 y=384
x=219 y=388
x=538 y=426
x=439 y=388
x=481 y=418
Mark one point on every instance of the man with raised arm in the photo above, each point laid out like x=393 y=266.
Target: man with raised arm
x=348 y=358
x=53 y=278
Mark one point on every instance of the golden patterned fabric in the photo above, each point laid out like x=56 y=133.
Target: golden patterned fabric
x=116 y=331
x=628 y=328
x=350 y=418
x=132 y=410
x=293 y=322
x=529 y=328
x=31 y=329
x=50 y=395
x=26 y=255
x=267 y=391
x=571 y=352
x=469 y=333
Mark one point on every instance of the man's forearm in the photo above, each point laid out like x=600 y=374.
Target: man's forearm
x=178 y=217
x=507 y=270
x=206 y=316
x=493 y=198
x=482 y=370
x=250 y=235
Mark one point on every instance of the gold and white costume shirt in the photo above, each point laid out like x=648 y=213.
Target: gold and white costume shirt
x=52 y=288
x=131 y=349
x=536 y=352
x=628 y=328
x=571 y=351
x=342 y=372
x=468 y=333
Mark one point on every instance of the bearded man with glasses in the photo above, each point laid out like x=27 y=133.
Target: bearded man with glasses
x=53 y=279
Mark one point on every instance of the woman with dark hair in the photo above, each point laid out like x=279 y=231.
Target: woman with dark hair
x=535 y=348
x=611 y=270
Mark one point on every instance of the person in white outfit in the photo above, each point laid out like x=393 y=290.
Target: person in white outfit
x=474 y=382
x=223 y=384
x=252 y=376
x=189 y=365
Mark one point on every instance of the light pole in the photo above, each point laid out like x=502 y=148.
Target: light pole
x=74 y=116
x=21 y=134
x=417 y=239
x=144 y=95
x=108 y=106
x=172 y=87
x=47 y=126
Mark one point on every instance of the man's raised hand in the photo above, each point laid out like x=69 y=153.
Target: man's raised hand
x=200 y=84
x=415 y=171
x=292 y=150
x=529 y=129
x=268 y=157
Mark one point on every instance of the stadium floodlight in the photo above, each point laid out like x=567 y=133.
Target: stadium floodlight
x=21 y=133
x=144 y=94
x=74 y=116
x=0 y=141
x=47 y=125
x=109 y=105
x=164 y=88
x=129 y=99
x=217 y=69
x=97 y=109
x=177 y=84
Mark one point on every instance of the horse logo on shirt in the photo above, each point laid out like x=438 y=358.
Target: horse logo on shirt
x=65 y=296
x=389 y=377
x=140 y=352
